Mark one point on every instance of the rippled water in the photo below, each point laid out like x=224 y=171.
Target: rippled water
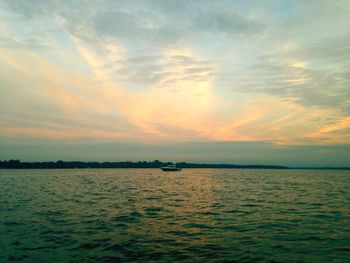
x=195 y=215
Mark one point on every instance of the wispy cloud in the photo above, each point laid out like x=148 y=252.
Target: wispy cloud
x=176 y=70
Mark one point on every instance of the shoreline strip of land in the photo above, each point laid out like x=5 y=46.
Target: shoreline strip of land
x=17 y=164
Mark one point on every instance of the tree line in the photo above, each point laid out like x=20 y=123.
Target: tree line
x=17 y=164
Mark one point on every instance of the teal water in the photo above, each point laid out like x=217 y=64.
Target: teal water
x=112 y=215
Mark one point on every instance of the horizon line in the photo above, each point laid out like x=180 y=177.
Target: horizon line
x=192 y=165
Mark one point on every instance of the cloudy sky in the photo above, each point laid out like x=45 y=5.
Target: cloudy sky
x=212 y=81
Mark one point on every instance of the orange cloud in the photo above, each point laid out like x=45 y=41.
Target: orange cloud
x=185 y=109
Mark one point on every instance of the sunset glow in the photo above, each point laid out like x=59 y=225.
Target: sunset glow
x=168 y=72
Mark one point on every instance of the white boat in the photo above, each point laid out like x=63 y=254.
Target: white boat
x=170 y=168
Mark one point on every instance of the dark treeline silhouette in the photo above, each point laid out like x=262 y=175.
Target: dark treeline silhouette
x=17 y=164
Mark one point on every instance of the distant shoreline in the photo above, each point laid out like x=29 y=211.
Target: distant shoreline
x=17 y=164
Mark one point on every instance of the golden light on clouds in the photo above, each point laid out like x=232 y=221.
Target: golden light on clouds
x=182 y=110
x=116 y=74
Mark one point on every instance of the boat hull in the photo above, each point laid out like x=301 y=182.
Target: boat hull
x=165 y=169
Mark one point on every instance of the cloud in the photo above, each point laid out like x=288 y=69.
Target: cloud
x=176 y=70
x=162 y=71
x=289 y=80
x=230 y=23
x=156 y=23
x=122 y=25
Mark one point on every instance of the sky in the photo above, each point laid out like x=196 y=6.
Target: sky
x=247 y=82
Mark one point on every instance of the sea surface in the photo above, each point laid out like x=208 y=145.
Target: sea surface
x=196 y=215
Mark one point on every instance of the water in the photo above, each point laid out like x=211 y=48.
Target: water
x=210 y=215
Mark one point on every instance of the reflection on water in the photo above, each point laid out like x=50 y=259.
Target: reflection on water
x=193 y=215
